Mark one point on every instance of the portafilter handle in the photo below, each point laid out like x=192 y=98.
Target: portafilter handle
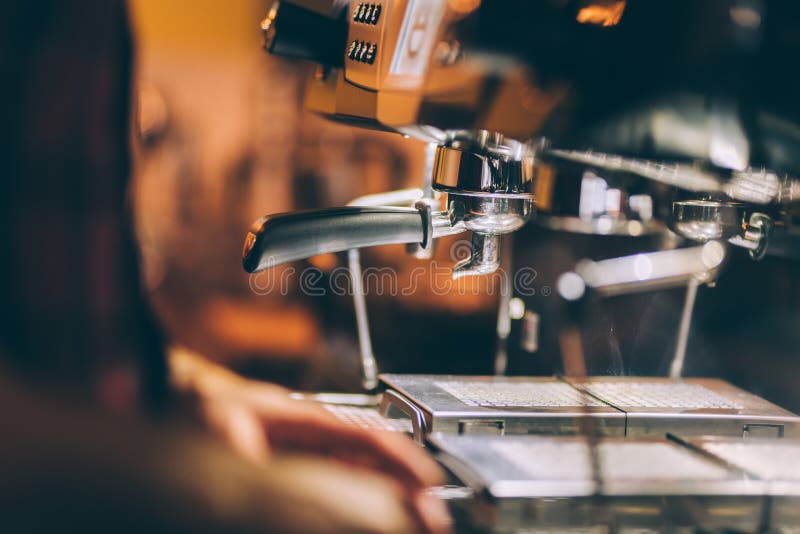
x=287 y=237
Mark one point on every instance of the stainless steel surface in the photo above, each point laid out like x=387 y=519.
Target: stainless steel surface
x=756 y=186
x=542 y=467
x=728 y=144
x=692 y=406
x=529 y=338
x=574 y=197
x=278 y=239
x=774 y=461
x=762 y=186
x=679 y=356
x=403 y=197
x=481 y=169
x=619 y=406
x=488 y=193
x=545 y=484
x=515 y=395
x=646 y=271
x=439 y=226
x=339 y=399
x=757 y=235
x=658 y=395
x=503 y=327
x=368 y=418
x=484 y=257
x=651 y=271
x=487 y=217
x=729 y=195
x=685 y=177
x=400 y=197
x=428 y=196
x=508 y=405
x=418 y=423
x=738 y=224
x=488 y=182
x=369 y=367
x=444 y=225
x=704 y=220
x=490 y=214
x=282 y=238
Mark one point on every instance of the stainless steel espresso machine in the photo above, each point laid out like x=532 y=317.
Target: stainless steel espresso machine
x=676 y=121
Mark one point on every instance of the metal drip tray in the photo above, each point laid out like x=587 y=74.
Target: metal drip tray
x=658 y=462
x=690 y=407
x=492 y=405
x=562 y=484
x=541 y=467
x=604 y=406
x=775 y=461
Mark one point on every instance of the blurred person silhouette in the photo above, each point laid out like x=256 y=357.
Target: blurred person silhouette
x=93 y=437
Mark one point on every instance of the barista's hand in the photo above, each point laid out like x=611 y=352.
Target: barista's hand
x=259 y=419
x=311 y=495
x=98 y=473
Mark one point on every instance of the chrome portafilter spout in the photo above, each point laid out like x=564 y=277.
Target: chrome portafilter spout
x=484 y=256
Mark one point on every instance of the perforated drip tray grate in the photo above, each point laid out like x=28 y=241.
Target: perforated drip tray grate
x=538 y=466
x=660 y=395
x=368 y=418
x=517 y=394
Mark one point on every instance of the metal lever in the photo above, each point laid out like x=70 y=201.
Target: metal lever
x=369 y=366
x=679 y=356
x=283 y=238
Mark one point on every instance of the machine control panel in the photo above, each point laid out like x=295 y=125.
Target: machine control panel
x=363 y=59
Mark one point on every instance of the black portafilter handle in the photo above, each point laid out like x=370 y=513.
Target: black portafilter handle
x=294 y=32
x=286 y=237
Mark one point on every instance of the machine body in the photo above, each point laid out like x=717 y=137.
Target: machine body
x=604 y=118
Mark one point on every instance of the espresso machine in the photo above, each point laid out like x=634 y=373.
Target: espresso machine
x=675 y=122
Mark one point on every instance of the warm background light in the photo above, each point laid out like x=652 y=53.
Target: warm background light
x=602 y=13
